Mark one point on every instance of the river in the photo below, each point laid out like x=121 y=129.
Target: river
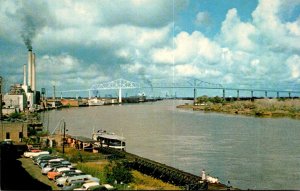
x=253 y=153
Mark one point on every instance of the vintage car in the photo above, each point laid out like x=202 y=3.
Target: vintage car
x=44 y=159
x=88 y=185
x=58 y=170
x=48 y=161
x=75 y=184
x=41 y=156
x=62 y=180
x=32 y=154
x=53 y=166
x=68 y=173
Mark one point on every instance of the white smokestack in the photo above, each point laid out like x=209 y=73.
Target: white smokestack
x=24 y=71
x=29 y=67
x=33 y=72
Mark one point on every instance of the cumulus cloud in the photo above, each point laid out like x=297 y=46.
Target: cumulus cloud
x=188 y=48
x=293 y=63
x=255 y=50
x=276 y=34
x=242 y=52
x=237 y=34
x=73 y=72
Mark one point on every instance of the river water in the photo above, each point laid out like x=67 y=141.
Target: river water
x=253 y=153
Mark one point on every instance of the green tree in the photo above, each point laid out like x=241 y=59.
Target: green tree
x=216 y=99
x=15 y=115
x=119 y=172
x=202 y=99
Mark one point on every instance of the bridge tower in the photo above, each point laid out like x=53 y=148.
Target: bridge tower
x=120 y=94
x=115 y=85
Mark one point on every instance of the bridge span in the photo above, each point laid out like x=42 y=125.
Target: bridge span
x=195 y=84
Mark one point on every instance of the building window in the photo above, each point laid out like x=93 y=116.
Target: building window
x=7 y=135
x=20 y=135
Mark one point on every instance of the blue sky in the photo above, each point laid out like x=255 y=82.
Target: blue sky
x=236 y=43
x=216 y=11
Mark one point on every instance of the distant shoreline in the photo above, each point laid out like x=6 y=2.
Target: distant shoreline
x=269 y=108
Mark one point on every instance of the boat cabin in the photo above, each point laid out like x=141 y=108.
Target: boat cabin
x=105 y=139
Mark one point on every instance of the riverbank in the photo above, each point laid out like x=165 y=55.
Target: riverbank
x=259 y=107
x=97 y=169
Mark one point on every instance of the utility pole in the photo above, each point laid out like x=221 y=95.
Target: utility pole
x=64 y=137
x=0 y=98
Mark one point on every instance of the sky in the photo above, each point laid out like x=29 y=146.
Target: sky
x=235 y=43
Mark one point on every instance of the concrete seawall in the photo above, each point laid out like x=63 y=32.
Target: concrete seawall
x=164 y=172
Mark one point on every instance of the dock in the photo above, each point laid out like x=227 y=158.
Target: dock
x=146 y=166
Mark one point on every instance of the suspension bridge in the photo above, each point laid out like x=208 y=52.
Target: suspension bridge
x=194 y=84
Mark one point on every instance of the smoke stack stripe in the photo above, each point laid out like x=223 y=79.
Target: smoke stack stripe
x=24 y=72
x=33 y=72
x=29 y=67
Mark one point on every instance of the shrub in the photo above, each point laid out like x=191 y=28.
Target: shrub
x=118 y=172
x=15 y=115
x=202 y=99
x=216 y=99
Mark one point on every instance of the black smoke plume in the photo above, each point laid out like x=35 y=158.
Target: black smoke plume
x=34 y=16
x=28 y=32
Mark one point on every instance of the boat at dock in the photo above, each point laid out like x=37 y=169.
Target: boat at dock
x=95 y=102
x=108 y=139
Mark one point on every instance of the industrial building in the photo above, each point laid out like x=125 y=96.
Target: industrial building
x=15 y=131
x=23 y=96
x=29 y=85
x=15 y=100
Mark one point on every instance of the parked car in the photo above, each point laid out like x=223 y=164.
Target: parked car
x=49 y=161
x=66 y=162
x=68 y=173
x=75 y=184
x=109 y=187
x=70 y=180
x=44 y=160
x=52 y=166
x=44 y=157
x=88 y=185
x=58 y=170
x=36 y=158
x=62 y=180
x=102 y=187
x=56 y=160
x=32 y=154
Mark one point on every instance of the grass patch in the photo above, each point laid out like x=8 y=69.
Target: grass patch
x=144 y=182
x=75 y=156
x=35 y=172
x=95 y=169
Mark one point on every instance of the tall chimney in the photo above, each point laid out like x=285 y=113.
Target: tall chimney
x=29 y=67
x=33 y=72
x=24 y=71
x=54 y=96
